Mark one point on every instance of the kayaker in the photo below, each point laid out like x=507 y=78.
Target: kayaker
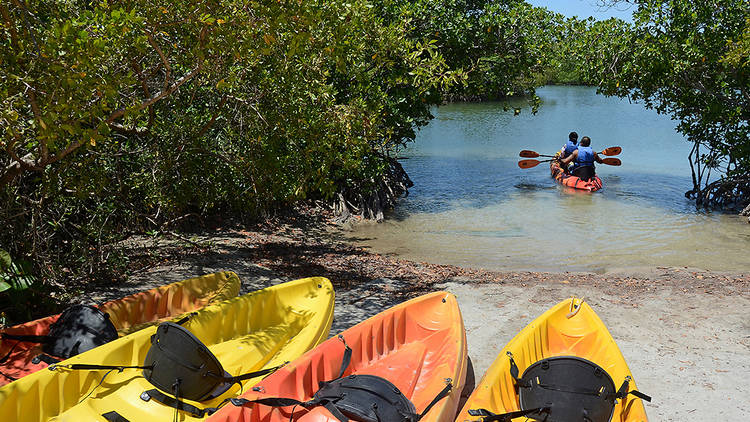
x=583 y=159
x=569 y=146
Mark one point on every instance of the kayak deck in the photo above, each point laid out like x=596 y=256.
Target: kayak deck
x=127 y=314
x=415 y=345
x=570 y=328
x=259 y=330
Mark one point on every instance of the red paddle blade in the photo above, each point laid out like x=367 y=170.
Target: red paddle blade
x=527 y=164
x=612 y=151
x=528 y=154
x=612 y=161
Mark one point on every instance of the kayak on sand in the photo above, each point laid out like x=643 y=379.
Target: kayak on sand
x=178 y=370
x=563 y=366
x=407 y=363
x=127 y=315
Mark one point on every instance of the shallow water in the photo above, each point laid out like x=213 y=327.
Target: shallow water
x=472 y=206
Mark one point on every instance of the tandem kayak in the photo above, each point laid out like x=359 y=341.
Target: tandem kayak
x=127 y=315
x=564 y=366
x=408 y=360
x=575 y=182
x=260 y=330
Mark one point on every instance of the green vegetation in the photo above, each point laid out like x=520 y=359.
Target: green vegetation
x=689 y=60
x=135 y=116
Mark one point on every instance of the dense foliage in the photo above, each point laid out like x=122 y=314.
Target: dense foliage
x=133 y=116
x=502 y=45
x=689 y=60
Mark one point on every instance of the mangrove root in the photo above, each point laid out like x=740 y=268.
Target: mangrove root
x=372 y=201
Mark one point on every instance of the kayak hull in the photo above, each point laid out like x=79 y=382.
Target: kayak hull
x=259 y=330
x=570 y=328
x=128 y=314
x=415 y=345
x=575 y=182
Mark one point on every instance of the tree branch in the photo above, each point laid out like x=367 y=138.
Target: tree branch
x=43 y=150
x=12 y=28
x=119 y=113
x=210 y=123
x=168 y=69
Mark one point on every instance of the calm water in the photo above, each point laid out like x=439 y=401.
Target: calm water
x=472 y=206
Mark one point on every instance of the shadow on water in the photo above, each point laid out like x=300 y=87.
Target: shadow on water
x=533 y=187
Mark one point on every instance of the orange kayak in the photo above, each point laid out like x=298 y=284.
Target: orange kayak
x=418 y=346
x=128 y=314
x=575 y=182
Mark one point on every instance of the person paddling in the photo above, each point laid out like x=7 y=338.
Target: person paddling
x=583 y=159
x=569 y=146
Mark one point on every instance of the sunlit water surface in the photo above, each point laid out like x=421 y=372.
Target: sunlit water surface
x=472 y=206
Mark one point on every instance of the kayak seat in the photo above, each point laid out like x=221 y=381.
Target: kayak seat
x=358 y=397
x=585 y=173
x=572 y=388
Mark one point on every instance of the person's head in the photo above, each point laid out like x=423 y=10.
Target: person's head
x=573 y=137
x=585 y=141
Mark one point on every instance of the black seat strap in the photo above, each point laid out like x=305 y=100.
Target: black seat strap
x=249 y=375
x=113 y=416
x=441 y=395
x=11 y=378
x=517 y=382
x=88 y=366
x=185 y=318
x=331 y=405
x=488 y=416
x=623 y=391
x=178 y=404
x=568 y=389
x=347 y=358
x=24 y=337
x=49 y=360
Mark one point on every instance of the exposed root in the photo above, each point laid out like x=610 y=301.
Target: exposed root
x=360 y=204
x=731 y=193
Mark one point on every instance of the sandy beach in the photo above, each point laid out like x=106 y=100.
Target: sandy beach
x=685 y=333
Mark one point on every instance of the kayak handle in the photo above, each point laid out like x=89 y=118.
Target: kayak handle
x=574 y=307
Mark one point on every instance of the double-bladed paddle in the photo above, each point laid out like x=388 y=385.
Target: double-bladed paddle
x=527 y=164
x=533 y=154
x=612 y=161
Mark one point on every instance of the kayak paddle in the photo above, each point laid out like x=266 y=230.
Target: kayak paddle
x=612 y=161
x=527 y=164
x=533 y=154
x=611 y=151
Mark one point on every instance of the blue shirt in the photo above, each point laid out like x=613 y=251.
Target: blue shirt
x=585 y=157
x=569 y=148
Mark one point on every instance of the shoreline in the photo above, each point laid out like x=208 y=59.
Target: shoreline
x=684 y=332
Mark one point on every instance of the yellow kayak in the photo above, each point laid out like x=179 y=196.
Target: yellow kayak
x=564 y=366
x=127 y=315
x=262 y=329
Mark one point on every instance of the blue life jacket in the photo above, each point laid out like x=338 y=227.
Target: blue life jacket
x=585 y=157
x=569 y=148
